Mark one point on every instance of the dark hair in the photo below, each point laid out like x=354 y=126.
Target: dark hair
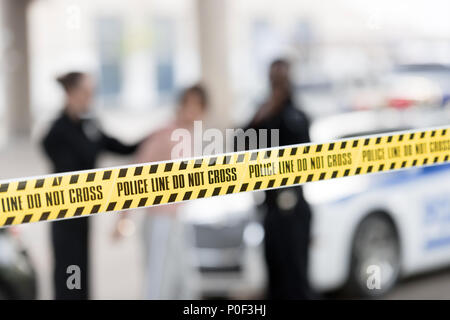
x=279 y=62
x=198 y=90
x=70 y=80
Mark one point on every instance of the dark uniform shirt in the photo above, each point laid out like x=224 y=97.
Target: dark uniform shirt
x=288 y=216
x=75 y=145
x=293 y=126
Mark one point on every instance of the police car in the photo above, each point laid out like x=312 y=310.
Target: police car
x=368 y=231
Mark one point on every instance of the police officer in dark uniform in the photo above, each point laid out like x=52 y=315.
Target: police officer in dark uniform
x=72 y=144
x=288 y=218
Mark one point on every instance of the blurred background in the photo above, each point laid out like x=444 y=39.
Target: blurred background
x=359 y=67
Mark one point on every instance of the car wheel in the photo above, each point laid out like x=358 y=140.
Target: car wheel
x=375 y=257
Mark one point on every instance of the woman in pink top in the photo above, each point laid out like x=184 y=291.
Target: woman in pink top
x=164 y=237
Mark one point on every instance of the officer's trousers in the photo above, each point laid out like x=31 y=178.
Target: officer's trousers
x=287 y=237
x=70 y=248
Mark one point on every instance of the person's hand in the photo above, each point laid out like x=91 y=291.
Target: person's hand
x=124 y=227
x=279 y=95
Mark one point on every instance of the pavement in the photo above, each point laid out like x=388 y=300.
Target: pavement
x=432 y=285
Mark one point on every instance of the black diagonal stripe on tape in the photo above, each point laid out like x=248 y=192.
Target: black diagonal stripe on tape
x=95 y=208
x=369 y=169
x=392 y=166
x=4 y=187
x=403 y=164
x=280 y=153
x=230 y=189
x=153 y=168
x=343 y=144
x=22 y=185
x=198 y=163
x=411 y=136
x=226 y=159
x=168 y=167
x=381 y=167
x=414 y=163
x=433 y=133
x=138 y=171
x=107 y=175
x=157 y=200
x=425 y=161
x=9 y=221
x=334 y=174
x=123 y=172
x=422 y=135
x=62 y=213
x=297 y=180
x=183 y=165
x=44 y=216
x=270 y=183
x=187 y=195
x=355 y=143
x=39 y=183
x=389 y=139
x=56 y=181
x=444 y=131
x=267 y=154
x=244 y=187
x=27 y=218
x=331 y=147
x=346 y=172
x=294 y=151
x=90 y=177
x=78 y=211
x=173 y=197
x=216 y=191
x=111 y=206
x=400 y=137
x=309 y=178
x=306 y=149
x=366 y=141
x=436 y=159
x=142 y=202
x=212 y=161
x=318 y=148
x=284 y=181
x=201 y=193
x=73 y=178
x=322 y=176
x=358 y=171
x=257 y=185
x=127 y=204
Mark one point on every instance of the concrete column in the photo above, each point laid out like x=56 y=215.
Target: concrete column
x=15 y=64
x=214 y=53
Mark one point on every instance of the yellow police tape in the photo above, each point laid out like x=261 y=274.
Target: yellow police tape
x=82 y=193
